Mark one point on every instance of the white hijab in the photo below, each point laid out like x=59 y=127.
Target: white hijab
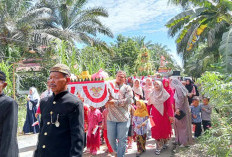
x=138 y=90
x=179 y=87
x=158 y=97
x=34 y=95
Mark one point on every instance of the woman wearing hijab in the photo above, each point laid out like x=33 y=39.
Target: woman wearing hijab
x=191 y=90
x=170 y=91
x=162 y=114
x=183 y=126
x=148 y=88
x=32 y=104
x=137 y=90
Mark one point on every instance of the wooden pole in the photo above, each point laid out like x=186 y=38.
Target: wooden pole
x=14 y=81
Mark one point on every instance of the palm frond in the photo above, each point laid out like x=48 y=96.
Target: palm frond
x=76 y=7
x=80 y=20
x=35 y=13
x=93 y=12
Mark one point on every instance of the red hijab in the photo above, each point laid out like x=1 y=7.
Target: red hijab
x=168 y=88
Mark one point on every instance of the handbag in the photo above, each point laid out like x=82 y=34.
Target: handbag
x=182 y=114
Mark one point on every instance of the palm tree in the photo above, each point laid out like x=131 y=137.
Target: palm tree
x=204 y=23
x=73 y=23
x=141 y=41
x=17 y=22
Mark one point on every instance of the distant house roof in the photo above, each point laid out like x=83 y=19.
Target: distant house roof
x=29 y=65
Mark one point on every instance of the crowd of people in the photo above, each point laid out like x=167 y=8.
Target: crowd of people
x=68 y=126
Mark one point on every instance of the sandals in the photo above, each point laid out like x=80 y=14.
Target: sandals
x=138 y=154
x=165 y=146
x=157 y=152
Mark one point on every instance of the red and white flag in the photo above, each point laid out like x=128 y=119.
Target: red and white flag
x=95 y=93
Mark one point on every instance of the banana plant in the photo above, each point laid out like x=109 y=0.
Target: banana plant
x=225 y=50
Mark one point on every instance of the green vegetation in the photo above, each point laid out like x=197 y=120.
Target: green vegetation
x=201 y=29
x=204 y=40
x=48 y=32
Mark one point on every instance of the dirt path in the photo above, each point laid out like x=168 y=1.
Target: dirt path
x=27 y=145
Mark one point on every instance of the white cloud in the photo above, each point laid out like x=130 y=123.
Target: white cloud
x=143 y=16
x=128 y=15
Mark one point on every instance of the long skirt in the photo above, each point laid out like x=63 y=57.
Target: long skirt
x=141 y=142
x=30 y=119
x=93 y=142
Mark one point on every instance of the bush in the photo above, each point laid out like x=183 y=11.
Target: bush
x=7 y=69
x=218 y=140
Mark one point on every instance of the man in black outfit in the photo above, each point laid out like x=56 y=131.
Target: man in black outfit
x=8 y=122
x=62 y=120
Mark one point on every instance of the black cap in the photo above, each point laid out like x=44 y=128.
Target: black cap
x=2 y=76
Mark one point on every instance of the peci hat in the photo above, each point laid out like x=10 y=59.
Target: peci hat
x=2 y=76
x=62 y=68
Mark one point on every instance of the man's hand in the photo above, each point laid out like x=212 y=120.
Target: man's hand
x=194 y=116
x=139 y=126
x=28 y=99
x=203 y=109
x=110 y=103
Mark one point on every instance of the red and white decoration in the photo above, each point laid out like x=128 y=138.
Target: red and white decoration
x=95 y=93
x=114 y=92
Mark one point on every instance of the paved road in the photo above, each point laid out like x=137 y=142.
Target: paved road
x=27 y=144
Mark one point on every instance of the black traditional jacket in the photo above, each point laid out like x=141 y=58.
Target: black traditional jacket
x=62 y=126
x=8 y=127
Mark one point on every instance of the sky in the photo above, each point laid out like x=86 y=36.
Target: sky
x=140 y=18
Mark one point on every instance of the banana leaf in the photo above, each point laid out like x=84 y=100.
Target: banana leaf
x=225 y=50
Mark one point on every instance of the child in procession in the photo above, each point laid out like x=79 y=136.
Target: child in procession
x=93 y=136
x=196 y=116
x=206 y=111
x=140 y=120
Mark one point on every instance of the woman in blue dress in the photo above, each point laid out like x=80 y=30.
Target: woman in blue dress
x=32 y=104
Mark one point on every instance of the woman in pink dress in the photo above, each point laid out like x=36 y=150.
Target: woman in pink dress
x=93 y=136
x=162 y=114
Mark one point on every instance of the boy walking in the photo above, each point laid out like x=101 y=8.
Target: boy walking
x=206 y=111
x=196 y=117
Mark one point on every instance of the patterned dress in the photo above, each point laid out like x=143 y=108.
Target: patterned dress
x=140 y=133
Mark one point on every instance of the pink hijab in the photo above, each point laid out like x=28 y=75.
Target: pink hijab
x=158 y=97
x=148 y=88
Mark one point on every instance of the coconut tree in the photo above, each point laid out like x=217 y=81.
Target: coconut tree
x=75 y=23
